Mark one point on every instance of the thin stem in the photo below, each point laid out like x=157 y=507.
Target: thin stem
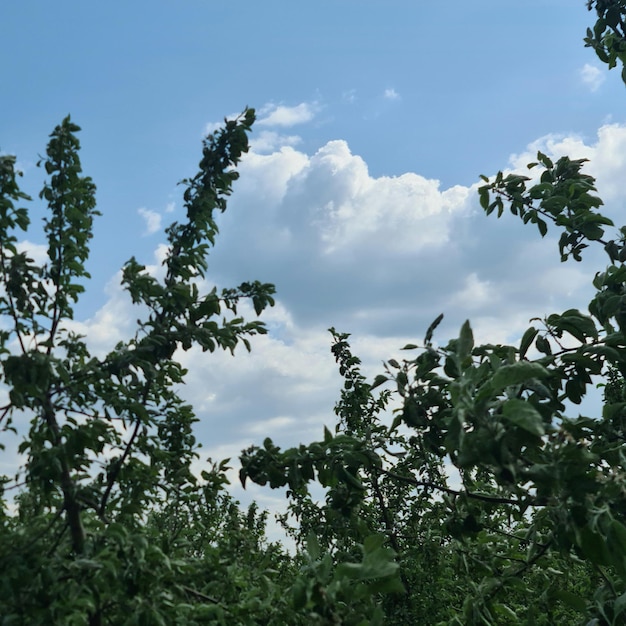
x=475 y=496
x=70 y=502
x=115 y=471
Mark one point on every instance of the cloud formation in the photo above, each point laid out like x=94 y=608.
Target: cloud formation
x=379 y=257
x=271 y=141
x=152 y=221
x=592 y=76
x=285 y=116
x=391 y=94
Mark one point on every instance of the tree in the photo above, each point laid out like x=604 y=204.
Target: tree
x=109 y=438
x=608 y=36
x=110 y=525
x=535 y=533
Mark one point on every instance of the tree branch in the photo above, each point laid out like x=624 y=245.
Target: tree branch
x=475 y=496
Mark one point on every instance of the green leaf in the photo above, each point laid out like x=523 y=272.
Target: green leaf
x=507 y=612
x=575 y=323
x=313 y=546
x=465 y=344
x=378 y=562
x=542 y=226
x=620 y=605
x=618 y=530
x=328 y=436
x=573 y=600
x=483 y=195
x=299 y=593
x=544 y=160
x=431 y=329
x=543 y=345
x=527 y=340
x=594 y=546
x=517 y=373
x=380 y=379
x=391 y=584
x=523 y=415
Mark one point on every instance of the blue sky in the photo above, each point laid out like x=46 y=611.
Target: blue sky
x=358 y=199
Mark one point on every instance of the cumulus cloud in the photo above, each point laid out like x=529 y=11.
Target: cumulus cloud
x=391 y=94
x=152 y=220
x=285 y=116
x=270 y=141
x=407 y=212
x=273 y=115
x=329 y=233
x=379 y=257
x=592 y=76
x=385 y=255
x=289 y=378
x=331 y=200
x=475 y=294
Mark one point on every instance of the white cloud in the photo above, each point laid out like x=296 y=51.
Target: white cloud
x=285 y=388
x=331 y=197
x=270 y=141
x=592 y=76
x=273 y=115
x=406 y=212
x=474 y=294
x=285 y=116
x=266 y=177
x=379 y=257
x=36 y=251
x=211 y=127
x=272 y=425
x=349 y=96
x=391 y=94
x=152 y=219
x=112 y=323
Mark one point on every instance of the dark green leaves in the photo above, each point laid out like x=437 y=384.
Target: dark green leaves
x=377 y=563
x=563 y=196
x=608 y=36
x=572 y=321
x=205 y=193
x=71 y=202
x=523 y=415
x=110 y=443
x=431 y=329
x=527 y=340
x=465 y=342
x=10 y=216
x=517 y=373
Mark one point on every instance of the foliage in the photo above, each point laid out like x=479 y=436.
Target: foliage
x=109 y=440
x=110 y=525
x=482 y=460
x=458 y=488
x=608 y=36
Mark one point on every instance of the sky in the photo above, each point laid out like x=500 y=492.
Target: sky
x=358 y=197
